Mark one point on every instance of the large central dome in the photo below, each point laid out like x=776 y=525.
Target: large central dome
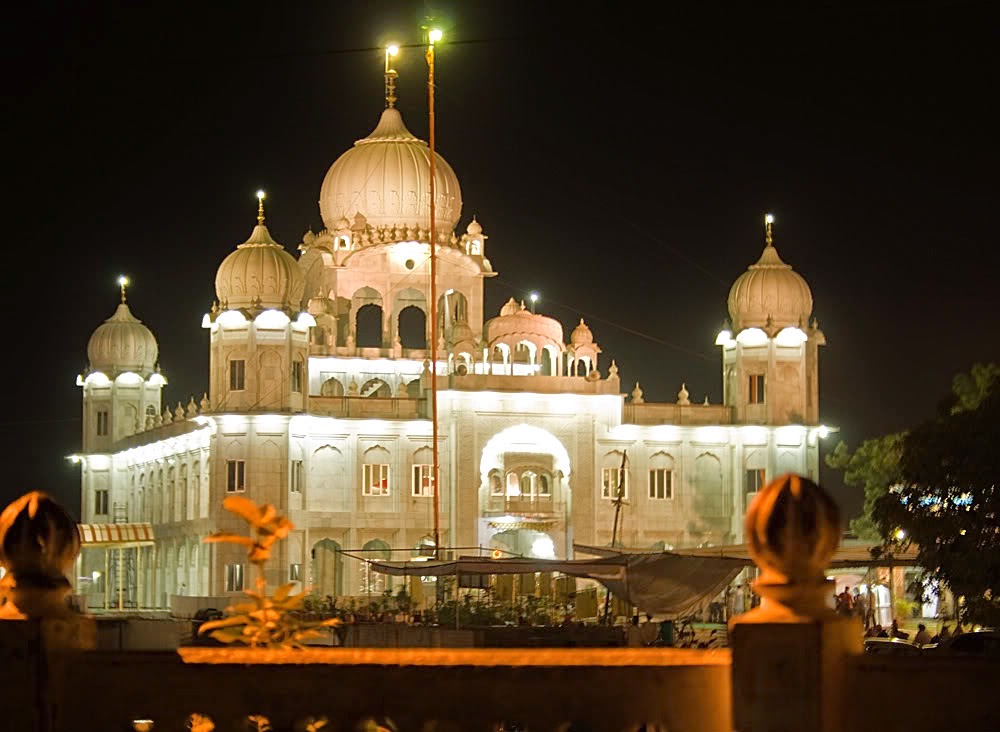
x=386 y=177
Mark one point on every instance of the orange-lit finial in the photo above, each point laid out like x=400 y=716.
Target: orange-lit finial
x=768 y=233
x=260 y=208
x=123 y=283
x=391 y=51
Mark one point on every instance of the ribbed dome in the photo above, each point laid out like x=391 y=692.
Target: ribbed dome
x=260 y=268
x=769 y=289
x=386 y=177
x=581 y=335
x=122 y=343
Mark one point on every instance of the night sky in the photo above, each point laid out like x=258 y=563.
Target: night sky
x=620 y=162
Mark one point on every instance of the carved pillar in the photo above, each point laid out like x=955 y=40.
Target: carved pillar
x=790 y=654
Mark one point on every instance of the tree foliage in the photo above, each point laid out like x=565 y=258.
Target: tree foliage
x=874 y=466
x=946 y=498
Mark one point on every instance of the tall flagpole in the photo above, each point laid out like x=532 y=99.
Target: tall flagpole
x=432 y=37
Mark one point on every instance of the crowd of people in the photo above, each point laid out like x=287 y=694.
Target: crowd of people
x=861 y=606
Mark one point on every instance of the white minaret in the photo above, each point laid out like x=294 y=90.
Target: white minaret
x=121 y=387
x=770 y=355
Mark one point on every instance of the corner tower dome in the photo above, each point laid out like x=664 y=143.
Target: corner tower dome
x=386 y=177
x=260 y=274
x=770 y=294
x=122 y=343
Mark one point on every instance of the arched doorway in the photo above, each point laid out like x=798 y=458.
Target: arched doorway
x=372 y=582
x=327 y=568
x=368 y=326
x=412 y=327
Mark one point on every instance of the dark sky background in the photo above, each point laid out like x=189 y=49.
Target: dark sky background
x=620 y=161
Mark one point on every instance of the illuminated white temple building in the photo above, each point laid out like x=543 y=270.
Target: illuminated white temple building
x=318 y=402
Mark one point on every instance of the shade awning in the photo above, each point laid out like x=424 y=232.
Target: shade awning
x=851 y=555
x=116 y=535
x=658 y=583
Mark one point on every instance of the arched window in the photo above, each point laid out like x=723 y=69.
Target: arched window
x=327 y=568
x=375 y=388
x=661 y=477
x=528 y=483
x=513 y=484
x=544 y=485
x=332 y=388
x=496 y=484
x=613 y=475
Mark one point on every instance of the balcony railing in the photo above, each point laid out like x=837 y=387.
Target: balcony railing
x=540 y=506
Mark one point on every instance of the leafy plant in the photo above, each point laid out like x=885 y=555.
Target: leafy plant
x=264 y=620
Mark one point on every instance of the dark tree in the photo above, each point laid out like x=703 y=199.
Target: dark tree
x=946 y=500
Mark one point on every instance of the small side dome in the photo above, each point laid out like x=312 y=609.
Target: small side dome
x=770 y=294
x=510 y=308
x=461 y=331
x=259 y=274
x=122 y=343
x=581 y=335
x=474 y=228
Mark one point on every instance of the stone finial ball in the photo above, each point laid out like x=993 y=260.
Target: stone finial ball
x=792 y=529
x=38 y=538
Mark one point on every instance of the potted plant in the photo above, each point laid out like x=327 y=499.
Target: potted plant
x=263 y=621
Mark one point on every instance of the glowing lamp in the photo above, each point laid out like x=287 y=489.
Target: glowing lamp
x=260 y=195
x=823 y=431
x=724 y=337
x=392 y=49
x=435 y=35
x=122 y=281
x=900 y=534
x=769 y=219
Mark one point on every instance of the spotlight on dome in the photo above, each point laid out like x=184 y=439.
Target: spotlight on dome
x=392 y=49
x=769 y=219
x=534 y=298
x=435 y=35
x=122 y=281
x=260 y=195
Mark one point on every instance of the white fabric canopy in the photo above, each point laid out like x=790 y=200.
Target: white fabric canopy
x=661 y=583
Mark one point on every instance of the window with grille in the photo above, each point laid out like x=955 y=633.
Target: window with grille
x=610 y=478
x=101 y=502
x=375 y=480
x=102 y=423
x=661 y=484
x=423 y=480
x=755 y=480
x=236 y=476
x=237 y=375
x=755 y=393
x=298 y=476
x=234 y=578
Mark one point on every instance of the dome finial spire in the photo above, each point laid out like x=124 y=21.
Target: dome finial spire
x=123 y=283
x=768 y=234
x=391 y=51
x=260 y=207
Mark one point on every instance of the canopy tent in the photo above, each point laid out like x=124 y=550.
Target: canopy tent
x=855 y=555
x=659 y=584
x=117 y=538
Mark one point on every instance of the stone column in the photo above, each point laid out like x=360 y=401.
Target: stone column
x=790 y=654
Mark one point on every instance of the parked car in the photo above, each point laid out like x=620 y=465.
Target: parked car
x=984 y=644
x=893 y=647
